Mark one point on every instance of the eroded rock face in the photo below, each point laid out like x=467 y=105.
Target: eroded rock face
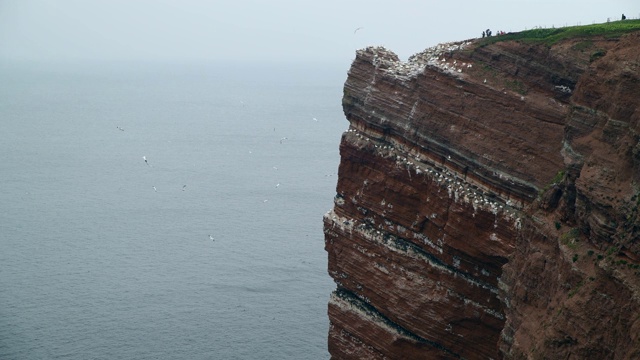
x=470 y=179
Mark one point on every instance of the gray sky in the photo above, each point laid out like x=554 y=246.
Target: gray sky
x=275 y=30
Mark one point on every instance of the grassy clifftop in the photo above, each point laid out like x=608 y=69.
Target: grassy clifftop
x=553 y=35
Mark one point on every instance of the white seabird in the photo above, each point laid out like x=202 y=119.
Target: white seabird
x=184 y=187
x=154 y=189
x=145 y=160
x=211 y=238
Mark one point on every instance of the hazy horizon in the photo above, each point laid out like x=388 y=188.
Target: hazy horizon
x=277 y=31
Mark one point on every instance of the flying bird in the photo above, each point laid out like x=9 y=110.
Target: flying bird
x=283 y=139
x=154 y=189
x=184 y=187
x=145 y=160
x=211 y=238
x=356 y=30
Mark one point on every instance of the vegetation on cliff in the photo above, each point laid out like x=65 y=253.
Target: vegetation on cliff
x=550 y=36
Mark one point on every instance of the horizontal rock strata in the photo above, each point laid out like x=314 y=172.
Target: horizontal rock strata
x=470 y=179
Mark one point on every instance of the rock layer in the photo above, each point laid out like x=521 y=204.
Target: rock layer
x=487 y=203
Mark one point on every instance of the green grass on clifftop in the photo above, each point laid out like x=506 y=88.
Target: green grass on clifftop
x=553 y=35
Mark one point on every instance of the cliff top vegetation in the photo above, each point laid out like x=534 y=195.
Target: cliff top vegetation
x=550 y=36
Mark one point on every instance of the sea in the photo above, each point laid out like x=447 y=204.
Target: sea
x=166 y=210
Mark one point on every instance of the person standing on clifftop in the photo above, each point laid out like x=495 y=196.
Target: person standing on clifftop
x=624 y=17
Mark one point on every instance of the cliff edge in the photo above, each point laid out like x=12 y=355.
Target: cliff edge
x=488 y=198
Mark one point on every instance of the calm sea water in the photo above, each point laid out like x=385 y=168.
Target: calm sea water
x=97 y=264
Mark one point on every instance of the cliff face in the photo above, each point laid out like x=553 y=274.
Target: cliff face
x=487 y=203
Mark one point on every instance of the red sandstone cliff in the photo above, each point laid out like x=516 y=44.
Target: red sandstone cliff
x=487 y=203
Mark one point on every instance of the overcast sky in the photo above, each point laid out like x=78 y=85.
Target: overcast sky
x=275 y=30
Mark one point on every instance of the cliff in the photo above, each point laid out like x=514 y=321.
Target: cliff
x=487 y=202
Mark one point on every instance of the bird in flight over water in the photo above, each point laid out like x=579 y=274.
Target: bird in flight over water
x=211 y=238
x=184 y=187
x=145 y=160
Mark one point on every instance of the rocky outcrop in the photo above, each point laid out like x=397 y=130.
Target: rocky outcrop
x=487 y=203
